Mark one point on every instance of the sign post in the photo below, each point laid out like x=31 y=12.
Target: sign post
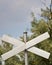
x=26 y=54
x=2 y=62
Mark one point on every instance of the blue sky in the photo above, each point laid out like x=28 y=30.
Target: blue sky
x=15 y=15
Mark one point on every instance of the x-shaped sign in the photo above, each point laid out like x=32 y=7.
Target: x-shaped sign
x=21 y=46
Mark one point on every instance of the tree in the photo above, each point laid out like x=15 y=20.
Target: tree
x=39 y=27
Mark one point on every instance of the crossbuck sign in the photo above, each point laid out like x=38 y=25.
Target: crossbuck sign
x=21 y=46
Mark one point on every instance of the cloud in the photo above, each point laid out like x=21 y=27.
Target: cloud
x=12 y=11
x=16 y=4
x=17 y=10
x=15 y=15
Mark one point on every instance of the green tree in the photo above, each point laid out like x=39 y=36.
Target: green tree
x=39 y=27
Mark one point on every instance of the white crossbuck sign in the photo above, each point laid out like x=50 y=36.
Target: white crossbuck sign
x=21 y=46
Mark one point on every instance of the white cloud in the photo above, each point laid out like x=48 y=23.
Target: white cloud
x=36 y=10
x=18 y=9
x=45 y=3
x=15 y=14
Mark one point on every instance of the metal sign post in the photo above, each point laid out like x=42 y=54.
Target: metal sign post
x=2 y=61
x=26 y=54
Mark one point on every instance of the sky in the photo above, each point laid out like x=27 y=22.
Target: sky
x=15 y=15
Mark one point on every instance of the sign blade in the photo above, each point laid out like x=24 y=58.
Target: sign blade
x=12 y=40
x=36 y=40
x=39 y=52
x=13 y=52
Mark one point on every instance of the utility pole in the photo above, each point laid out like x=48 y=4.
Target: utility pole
x=26 y=54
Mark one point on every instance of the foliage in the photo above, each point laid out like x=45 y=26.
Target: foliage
x=39 y=28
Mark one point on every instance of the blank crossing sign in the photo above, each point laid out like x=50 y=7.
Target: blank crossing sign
x=39 y=52
x=13 y=52
x=12 y=40
x=21 y=46
x=37 y=40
